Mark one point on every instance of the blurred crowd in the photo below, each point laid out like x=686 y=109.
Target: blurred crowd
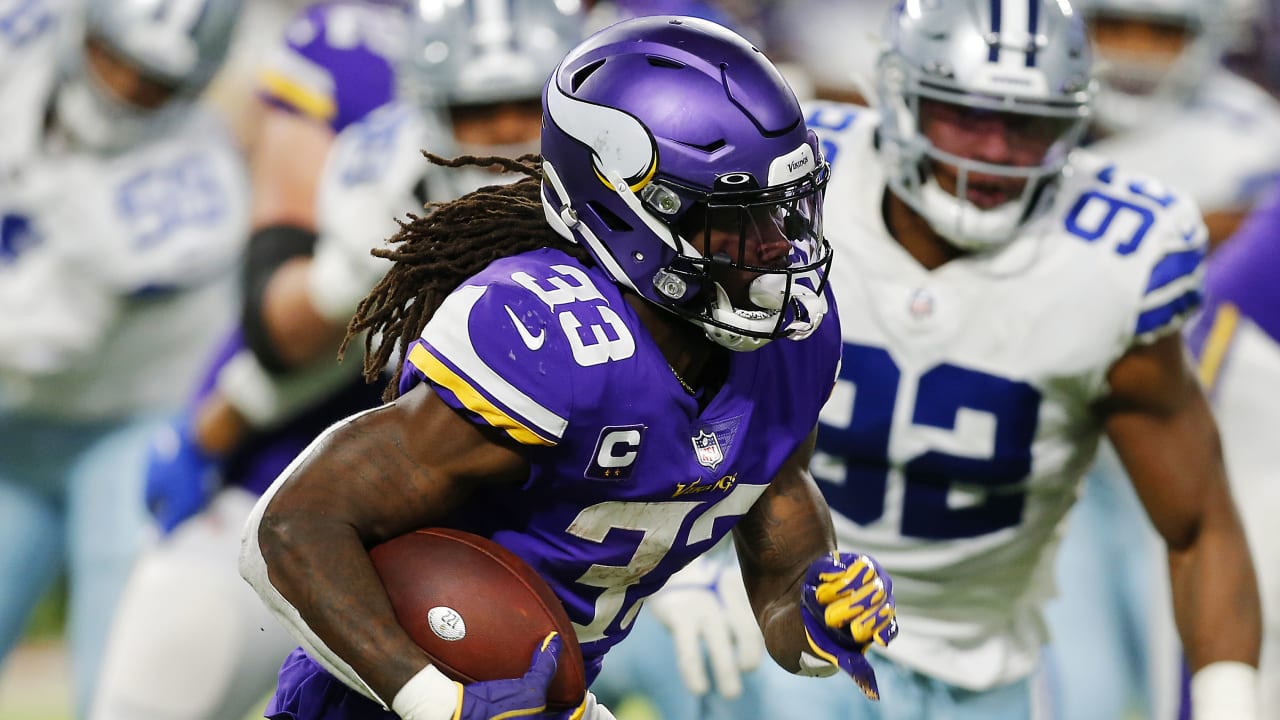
x=189 y=190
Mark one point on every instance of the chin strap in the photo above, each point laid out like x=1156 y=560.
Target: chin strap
x=749 y=329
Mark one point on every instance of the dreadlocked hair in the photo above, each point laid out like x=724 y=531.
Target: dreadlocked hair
x=435 y=252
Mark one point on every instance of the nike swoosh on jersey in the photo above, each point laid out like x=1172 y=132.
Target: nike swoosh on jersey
x=531 y=341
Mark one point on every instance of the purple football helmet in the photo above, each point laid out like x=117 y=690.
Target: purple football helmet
x=658 y=131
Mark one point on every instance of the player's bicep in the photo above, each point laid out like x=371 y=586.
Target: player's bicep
x=403 y=466
x=1159 y=421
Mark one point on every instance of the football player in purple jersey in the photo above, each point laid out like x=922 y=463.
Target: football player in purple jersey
x=606 y=367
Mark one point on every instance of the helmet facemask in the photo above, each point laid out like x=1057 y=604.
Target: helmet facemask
x=129 y=72
x=91 y=111
x=973 y=203
x=759 y=258
x=981 y=103
x=476 y=71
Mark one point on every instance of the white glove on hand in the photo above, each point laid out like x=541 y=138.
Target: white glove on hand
x=591 y=709
x=705 y=608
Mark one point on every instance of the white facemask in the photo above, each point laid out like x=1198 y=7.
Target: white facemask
x=964 y=224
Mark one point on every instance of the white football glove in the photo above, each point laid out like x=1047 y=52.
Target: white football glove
x=592 y=710
x=705 y=608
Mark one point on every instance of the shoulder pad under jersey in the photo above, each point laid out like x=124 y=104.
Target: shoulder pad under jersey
x=513 y=344
x=1150 y=238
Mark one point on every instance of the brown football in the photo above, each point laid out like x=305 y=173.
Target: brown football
x=477 y=608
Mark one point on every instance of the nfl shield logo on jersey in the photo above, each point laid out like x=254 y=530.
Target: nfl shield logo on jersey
x=707 y=449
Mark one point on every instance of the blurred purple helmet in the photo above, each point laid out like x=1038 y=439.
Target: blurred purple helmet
x=657 y=130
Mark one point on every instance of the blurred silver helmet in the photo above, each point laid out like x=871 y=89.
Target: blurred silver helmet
x=1136 y=86
x=474 y=53
x=177 y=44
x=1023 y=59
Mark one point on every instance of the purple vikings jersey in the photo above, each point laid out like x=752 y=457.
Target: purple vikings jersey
x=629 y=480
x=1241 y=281
x=337 y=62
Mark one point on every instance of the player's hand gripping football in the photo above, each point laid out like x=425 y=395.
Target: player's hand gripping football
x=518 y=697
x=181 y=476
x=847 y=604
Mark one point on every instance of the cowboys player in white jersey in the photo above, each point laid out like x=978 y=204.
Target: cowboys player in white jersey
x=1008 y=300
x=1162 y=90
x=476 y=92
x=122 y=210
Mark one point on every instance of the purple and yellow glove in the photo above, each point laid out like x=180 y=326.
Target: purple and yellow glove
x=847 y=604
x=517 y=697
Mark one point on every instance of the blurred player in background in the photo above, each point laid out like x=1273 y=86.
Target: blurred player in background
x=835 y=43
x=456 y=79
x=122 y=212
x=1237 y=340
x=1168 y=108
x=1006 y=303
x=1009 y=383
x=696 y=273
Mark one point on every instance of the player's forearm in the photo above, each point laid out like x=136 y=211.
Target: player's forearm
x=300 y=334
x=324 y=572
x=772 y=580
x=784 y=631
x=1215 y=595
x=787 y=529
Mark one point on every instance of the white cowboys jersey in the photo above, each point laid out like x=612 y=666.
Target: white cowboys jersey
x=115 y=271
x=961 y=424
x=1234 y=128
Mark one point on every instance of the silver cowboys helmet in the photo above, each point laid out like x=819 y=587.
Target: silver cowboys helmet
x=468 y=54
x=1134 y=87
x=176 y=44
x=1027 y=62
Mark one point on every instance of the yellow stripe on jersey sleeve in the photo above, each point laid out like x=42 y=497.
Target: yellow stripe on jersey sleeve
x=1225 y=322
x=440 y=374
x=310 y=102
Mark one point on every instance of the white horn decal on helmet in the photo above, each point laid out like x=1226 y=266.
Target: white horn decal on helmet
x=619 y=142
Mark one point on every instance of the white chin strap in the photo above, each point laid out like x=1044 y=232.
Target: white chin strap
x=767 y=292
x=966 y=225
